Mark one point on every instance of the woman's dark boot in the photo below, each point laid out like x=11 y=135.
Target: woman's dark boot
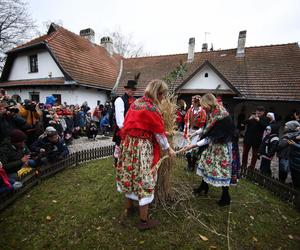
x=190 y=162
x=225 y=198
x=203 y=187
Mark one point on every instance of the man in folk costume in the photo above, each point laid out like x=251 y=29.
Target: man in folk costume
x=142 y=136
x=194 y=120
x=122 y=105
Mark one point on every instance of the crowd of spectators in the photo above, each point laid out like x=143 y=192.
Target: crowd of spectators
x=33 y=135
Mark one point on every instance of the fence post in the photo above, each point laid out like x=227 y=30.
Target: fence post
x=77 y=159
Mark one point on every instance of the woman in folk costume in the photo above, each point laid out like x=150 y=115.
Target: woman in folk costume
x=194 y=120
x=142 y=136
x=215 y=161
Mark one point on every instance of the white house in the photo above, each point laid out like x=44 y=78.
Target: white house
x=75 y=69
x=245 y=77
x=68 y=66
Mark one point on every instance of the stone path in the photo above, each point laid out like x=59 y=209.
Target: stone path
x=83 y=143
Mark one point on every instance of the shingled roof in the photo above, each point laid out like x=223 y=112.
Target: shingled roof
x=80 y=60
x=264 y=73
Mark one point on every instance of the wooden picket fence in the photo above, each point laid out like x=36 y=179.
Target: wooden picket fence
x=36 y=177
x=281 y=190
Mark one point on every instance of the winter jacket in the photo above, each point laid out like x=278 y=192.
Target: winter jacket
x=255 y=130
x=10 y=156
x=295 y=151
x=54 y=151
x=269 y=145
x=5 y=127
x=295 y=156
x=70 y=124
x=32 y=117
x=283 y=149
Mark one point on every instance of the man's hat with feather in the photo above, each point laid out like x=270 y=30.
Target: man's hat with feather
x=131 y=84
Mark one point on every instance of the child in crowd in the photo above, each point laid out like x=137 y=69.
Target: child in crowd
x=268 y=149
x=283 y=151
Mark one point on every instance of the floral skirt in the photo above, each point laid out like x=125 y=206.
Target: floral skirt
x=215 y=164
x=135 y=173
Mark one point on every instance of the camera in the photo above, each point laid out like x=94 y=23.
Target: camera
x=41 y=106
x=13 y=110
x=30 y=106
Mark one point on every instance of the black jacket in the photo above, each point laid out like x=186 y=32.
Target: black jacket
x=283 y=149
x=54 y=151
x=11 y=157
x=295 y=152
x=255 y=130
x=269 y=145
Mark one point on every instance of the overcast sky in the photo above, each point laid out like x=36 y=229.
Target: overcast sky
x=165 y=26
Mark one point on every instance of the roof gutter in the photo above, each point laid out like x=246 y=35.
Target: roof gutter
x=25 y=48
x=92 y=86
x=113 y=91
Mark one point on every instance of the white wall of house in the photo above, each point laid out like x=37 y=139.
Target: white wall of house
x=21 y=68
x=199 y=81
x=76 y=95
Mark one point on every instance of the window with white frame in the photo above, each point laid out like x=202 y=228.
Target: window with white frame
x=33 y=64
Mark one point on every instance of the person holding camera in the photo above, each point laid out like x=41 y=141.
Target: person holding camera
x=50 y=148
x=256 y=125
x=30 y=112
x=10 y=119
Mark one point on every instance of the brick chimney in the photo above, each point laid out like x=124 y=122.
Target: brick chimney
x=107 y=43
x=191 y=51
x=204 y=47
x=240 y=51
x=88 y=34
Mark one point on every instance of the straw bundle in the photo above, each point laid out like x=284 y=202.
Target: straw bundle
x=163 y=190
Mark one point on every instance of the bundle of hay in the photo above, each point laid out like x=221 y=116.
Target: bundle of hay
x=163 y=190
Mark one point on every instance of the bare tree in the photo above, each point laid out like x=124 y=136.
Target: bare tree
x=16 y=26
x=124 y=44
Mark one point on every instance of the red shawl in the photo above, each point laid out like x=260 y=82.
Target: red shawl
x=142 y=120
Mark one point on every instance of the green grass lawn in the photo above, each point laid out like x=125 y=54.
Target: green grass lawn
x=80 y=209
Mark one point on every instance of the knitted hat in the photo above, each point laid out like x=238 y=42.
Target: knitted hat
x=17 y=136
x=292 y=125
x=50 y=131
x=268 y=128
